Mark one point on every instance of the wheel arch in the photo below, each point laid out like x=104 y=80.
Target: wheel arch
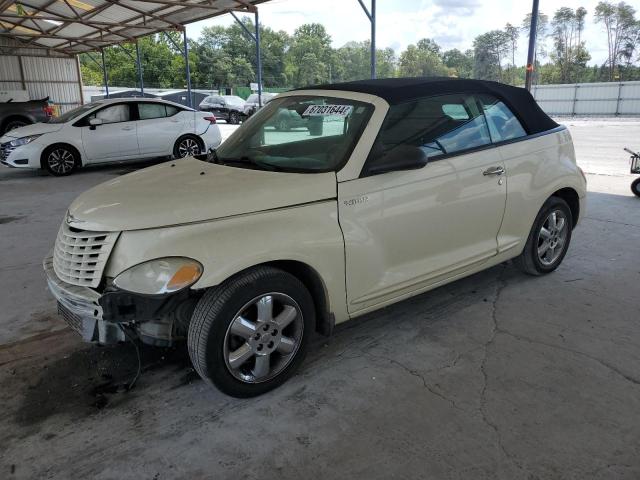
x=61 y=144
x=312 y=280
x=15 y=117
x=196 y=137
x=570 y=196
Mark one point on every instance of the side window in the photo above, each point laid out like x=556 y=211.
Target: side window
x=147 y=111
x=171 y=110
x=437 y=126
x=113 y=114
x=503 y=124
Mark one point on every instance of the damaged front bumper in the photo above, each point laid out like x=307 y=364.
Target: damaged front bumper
x=81 y=310
x=158 y=320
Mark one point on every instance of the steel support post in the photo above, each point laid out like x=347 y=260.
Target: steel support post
x=371 y=15
x=258 y=59
x=533 y=31
x=104 y=74
x=139 y=64
x=186 y=63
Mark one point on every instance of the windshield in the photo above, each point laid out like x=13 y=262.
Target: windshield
x=73 y=114
x=298 y=134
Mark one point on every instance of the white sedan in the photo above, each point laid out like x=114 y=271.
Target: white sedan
x=112 y=130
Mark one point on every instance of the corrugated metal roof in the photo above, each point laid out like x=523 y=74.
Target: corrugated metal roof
x=76 y=26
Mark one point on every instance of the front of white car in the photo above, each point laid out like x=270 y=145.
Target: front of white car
x=23 y=147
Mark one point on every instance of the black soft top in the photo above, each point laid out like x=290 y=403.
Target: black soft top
x=399 y=90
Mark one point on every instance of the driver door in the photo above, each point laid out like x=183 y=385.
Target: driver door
x=408 y=229
x=115 y=139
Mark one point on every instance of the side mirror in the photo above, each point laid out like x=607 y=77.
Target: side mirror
x=94 y=122
x=402 y=157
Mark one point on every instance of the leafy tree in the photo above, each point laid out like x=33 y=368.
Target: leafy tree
x=310 y=54
x=513 y=34
x=353 y=62
x=569 y=53
x=422 y=60
x=460 y=64
x=620 y=24
x=489 y=50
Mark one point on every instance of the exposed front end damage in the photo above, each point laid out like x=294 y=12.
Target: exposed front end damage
x=104 y=317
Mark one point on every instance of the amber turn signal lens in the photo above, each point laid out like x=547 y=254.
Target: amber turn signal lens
x=186 y=275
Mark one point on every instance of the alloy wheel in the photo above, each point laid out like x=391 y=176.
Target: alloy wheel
x=263 y=338
x=61 y=161
x=188 y=148
x=552 y=237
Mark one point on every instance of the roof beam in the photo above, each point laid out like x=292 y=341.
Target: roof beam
x=54 y=18
x=143 y=14
x=172 y=3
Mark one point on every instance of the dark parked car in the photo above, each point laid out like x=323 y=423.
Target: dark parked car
x=18 y=114
x=229 y=108
x=287 y=119
x=251 y=106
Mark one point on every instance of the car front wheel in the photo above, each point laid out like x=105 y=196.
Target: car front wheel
x=548 y=240
x=60 y=160
x=234 y=118
x=250 y=334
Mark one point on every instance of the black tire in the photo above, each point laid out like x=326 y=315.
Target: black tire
x=635 y=187
x=60 y=160
x=219 y=307
x=529 y=260
x=234 y=118
x=13 y=124
x=187 y=146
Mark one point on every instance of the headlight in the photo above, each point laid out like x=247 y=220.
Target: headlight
x=162 y=275
x=23 y=141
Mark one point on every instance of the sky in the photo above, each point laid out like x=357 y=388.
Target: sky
x=452 y=23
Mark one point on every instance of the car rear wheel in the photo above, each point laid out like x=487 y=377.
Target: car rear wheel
x=234 y=118
x=548 y=240
x=187 y=147
x=250 y=334
x=635 y=187
x=60 y=160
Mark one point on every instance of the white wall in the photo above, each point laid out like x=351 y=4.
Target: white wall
x=584 y=99
x=43 y=73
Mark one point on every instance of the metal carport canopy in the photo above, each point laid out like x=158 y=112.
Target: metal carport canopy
x=77 y=26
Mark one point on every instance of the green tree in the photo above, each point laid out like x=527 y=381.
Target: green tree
x=353 y=62
x=460 y=64
x=569 y=53
x=620 y=24
x=309 y=57
x=422 y=60
x=489 y=51
x=513 y=35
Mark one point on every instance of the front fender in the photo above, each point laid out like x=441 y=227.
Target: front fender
x=309 y=234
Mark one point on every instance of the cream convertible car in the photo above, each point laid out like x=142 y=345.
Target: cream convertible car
x=404 y=185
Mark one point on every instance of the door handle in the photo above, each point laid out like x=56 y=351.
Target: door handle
x=127 y=128
x=493 y=171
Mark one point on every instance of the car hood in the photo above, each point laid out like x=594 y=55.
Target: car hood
x=190 y=190
x=35 y=129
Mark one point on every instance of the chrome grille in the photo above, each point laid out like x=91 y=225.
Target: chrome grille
x=5 y=150
x=80 y=256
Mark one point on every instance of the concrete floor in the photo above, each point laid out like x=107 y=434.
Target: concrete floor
x=496 y=376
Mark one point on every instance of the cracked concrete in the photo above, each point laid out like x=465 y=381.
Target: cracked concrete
x=498 y=375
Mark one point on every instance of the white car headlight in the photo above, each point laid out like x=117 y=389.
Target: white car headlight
x=162 y=275
x=23 y=141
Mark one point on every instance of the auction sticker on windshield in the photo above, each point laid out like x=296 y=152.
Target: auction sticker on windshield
x=326 y=110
